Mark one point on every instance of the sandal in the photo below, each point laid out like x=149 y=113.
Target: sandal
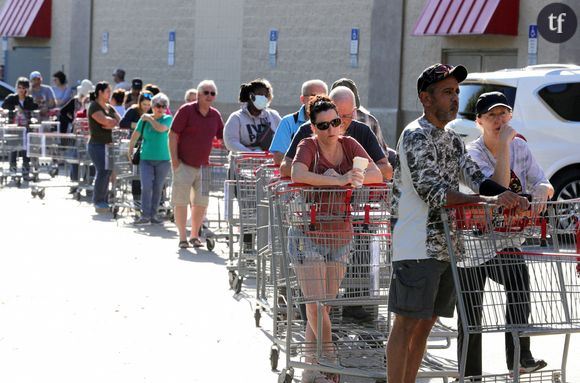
x=195 y=242
x=183 y=244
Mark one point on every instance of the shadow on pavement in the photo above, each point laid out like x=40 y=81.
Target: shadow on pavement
x=199 y=255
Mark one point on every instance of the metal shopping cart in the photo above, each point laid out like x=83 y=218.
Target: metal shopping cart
x=12 y=138
x=537 y=256
x=243 y=168
x=322 y=229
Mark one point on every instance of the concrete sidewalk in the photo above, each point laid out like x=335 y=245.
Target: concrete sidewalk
x=85 y=298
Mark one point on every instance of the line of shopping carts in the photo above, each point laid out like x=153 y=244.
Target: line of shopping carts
x=280 y=226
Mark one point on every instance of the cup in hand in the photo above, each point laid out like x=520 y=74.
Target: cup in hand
x=360 y=163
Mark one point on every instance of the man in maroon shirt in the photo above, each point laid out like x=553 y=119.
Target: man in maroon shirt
x=193 y=128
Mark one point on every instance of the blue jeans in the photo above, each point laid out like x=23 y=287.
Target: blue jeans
x=153 y=175
x=98 y=154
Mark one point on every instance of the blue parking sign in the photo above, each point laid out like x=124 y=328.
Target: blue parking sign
x=533 y=31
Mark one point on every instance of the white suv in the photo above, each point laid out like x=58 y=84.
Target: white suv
x=546 y=111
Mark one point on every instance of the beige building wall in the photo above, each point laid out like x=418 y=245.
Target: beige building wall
x=313 y=42
x=138 y=42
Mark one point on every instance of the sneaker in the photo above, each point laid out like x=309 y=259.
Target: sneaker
x=156 y=219
x=102 y=207
x=142 y=221
x=531 y=365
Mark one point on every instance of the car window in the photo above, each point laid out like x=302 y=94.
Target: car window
x=469 y=93
x=563 y=99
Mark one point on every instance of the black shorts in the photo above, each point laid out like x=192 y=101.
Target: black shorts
x=422 y=289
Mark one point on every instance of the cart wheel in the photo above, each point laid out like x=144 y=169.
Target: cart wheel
x=35 y=177
x=257 y=316
x=231 y=278
x=41 y=193
x=210 y=243
x=238 y=286
x=33 y=193
x=274 y=356
x=77 y=195
x=115 y=212
x=18 y=181
x=286 y=375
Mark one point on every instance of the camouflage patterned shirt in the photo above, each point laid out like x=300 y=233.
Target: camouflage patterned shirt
x=431 y=162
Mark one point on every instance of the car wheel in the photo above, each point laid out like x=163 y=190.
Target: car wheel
x=567 y=186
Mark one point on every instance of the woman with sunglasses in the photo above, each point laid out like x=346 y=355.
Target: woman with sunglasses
x=134 y=113
x=129 y=121
x=102 y=119
x=319 y=258
x=252 y=127
x=155 y=164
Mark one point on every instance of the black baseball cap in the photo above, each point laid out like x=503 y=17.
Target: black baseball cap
x=438 y=72
x=488 y=101
x=137 y=83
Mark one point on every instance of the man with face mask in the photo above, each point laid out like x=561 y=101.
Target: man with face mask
x=252 y=127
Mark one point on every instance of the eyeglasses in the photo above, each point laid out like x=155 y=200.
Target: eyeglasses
x=23 y=87
x=161 y=106
x=327 y=124
x=207 y=93
x=147 y=96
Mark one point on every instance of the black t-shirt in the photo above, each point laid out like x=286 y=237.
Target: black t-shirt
x=131 y=115
x=357 y=130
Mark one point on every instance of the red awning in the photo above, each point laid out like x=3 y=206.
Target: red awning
x=468 y=17
x=26 y=18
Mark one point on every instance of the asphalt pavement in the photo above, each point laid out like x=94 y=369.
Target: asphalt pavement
x=87 y=298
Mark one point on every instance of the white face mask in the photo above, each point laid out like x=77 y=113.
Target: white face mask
x=260 y=102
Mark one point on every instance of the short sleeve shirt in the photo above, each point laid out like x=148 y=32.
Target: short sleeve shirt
x=195 y=133
x=100 y=135
x=155 y=145
x=287 y=128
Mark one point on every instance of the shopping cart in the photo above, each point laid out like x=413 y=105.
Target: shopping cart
x=322 y=230
x=12 y=138
x=213 y=177
x=266 y=177
x=243 y=168
x=536 y=255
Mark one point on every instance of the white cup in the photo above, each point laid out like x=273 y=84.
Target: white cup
x=360 y=163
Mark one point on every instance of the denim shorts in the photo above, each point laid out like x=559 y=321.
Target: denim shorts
x=302 y=249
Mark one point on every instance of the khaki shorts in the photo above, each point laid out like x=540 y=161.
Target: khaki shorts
x=186 y=187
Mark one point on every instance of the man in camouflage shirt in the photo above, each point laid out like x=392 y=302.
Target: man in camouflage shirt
x=432 y=162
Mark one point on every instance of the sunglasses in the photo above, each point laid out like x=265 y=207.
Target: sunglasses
x=147 y=96
x=161 y=106
x=326 y=124
x=207 y=93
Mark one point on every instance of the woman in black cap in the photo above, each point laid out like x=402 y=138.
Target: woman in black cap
x=505 y=158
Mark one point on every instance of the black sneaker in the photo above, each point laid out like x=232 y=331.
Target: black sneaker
x=531 y=365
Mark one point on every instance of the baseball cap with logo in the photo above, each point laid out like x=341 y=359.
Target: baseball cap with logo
x=137 y=83
x=439 y=72
x=488 y=101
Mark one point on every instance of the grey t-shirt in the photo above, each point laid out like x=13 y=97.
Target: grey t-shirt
x=44 y=98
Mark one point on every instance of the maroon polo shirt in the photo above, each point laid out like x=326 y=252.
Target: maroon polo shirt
x=195 y=133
